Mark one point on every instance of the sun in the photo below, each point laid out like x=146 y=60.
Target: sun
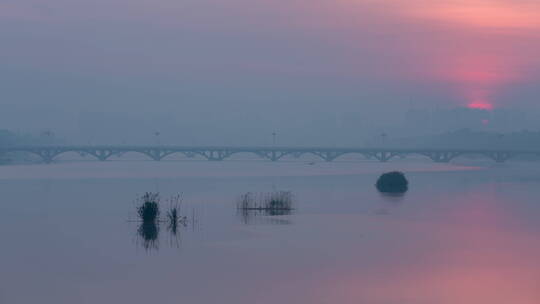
x=480 y=105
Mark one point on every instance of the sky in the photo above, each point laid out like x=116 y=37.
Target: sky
x=216 y=71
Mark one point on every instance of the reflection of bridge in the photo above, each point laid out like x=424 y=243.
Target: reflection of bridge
x=49 y=153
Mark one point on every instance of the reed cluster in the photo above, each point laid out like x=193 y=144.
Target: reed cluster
x=271 y=201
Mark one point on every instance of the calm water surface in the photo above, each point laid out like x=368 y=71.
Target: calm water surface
x=465 y=233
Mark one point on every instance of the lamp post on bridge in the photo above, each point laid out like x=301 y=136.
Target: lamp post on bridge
x=47 y=136
x=157 y=133
x=383 y=139
x=274 y=138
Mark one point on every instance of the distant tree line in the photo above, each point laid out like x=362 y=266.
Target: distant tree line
x=469 y=139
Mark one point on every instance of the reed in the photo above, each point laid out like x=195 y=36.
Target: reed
x=174 y=217
x=271 y=201
x=148 y=211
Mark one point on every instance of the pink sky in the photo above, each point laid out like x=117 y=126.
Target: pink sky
x=472 y=53
x=480 y=47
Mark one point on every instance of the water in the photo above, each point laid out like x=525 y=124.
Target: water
x=464 y=233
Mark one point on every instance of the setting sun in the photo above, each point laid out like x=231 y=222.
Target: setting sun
x=480 y=105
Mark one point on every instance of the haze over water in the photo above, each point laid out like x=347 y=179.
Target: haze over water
x=370 y=86
x=464 y=233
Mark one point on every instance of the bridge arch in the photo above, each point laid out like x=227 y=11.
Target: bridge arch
x=156 y=154
x=440 y=156
x=331 y=156
x=215 y=154
x=327 y=155
x=101 y=154
x=46 y=155
x=273 y=155
x=500 y=157
x=382 y=156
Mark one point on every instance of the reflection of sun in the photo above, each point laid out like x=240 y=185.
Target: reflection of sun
x=478 y=253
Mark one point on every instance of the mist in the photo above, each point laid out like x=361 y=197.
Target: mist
x=316 y=73
x=270 y=151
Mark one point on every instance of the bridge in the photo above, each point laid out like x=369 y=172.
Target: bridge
x=219 y=153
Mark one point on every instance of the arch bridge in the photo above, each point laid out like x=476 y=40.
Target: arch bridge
x=219 y=153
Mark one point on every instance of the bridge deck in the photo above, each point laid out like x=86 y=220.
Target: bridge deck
x=273 y=153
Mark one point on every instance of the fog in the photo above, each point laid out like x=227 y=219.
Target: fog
x=270 y=151
x=318 y=72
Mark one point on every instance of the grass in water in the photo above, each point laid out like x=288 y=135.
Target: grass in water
x=272 y=201
x=174 y=218
x=148 y=211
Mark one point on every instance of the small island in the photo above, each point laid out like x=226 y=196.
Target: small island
x=392 y=182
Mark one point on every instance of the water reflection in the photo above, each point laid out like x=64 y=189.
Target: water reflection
x=394 y=198
x=478 y=251
x=389 y=201
x=148 y=236
x=382 y=211
x=264 y=217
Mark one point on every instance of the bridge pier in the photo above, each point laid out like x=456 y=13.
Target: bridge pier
x=102 y=154
x=215 y=155
x=500 y=157
x=273 y=155
x=442 y=157
x=328 y=155
x=383 y=156
x=47 y=155
x=157 y=154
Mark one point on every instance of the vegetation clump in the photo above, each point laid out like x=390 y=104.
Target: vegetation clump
x=148 y=211
x=280 y=200
x=172 y=216
x=174 y=219
x=273 y=202
x=392 y=182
